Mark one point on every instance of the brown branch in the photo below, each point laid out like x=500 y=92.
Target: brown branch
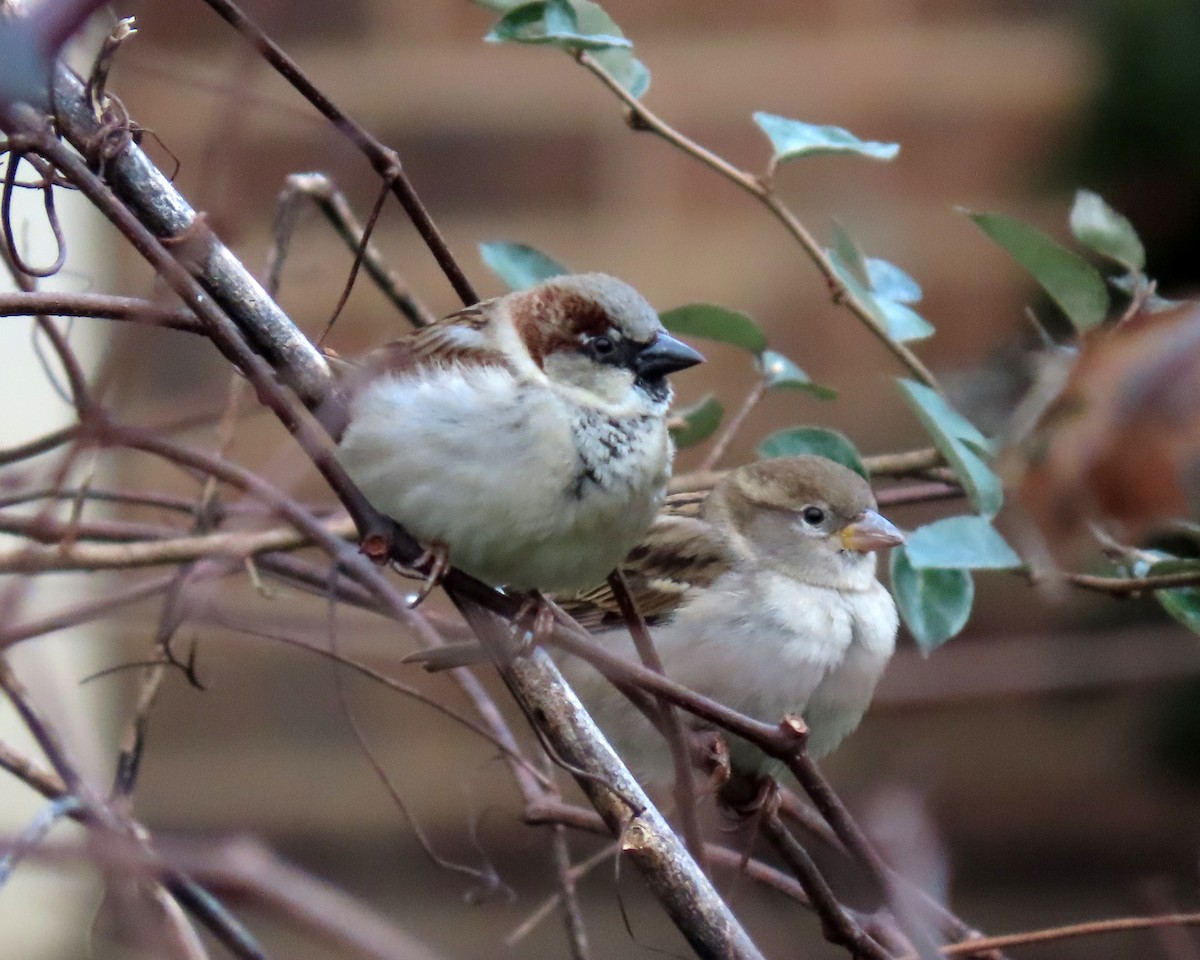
x=158 y=552
x=685 y=785
x=721 y=444
x=1070 y=932
x=99 y=305
x=836 y=923
x=906 y=463
x=43 y=444
x=320 y=189
x=572 y=915
x=383 y=159
x=1124 y=586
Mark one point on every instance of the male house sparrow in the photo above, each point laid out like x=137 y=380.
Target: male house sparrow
x=766 y=602
x=524 y=436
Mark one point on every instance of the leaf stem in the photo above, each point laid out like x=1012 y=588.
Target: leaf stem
x=642 y=118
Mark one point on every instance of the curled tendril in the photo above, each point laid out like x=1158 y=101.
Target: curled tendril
x=46 y=185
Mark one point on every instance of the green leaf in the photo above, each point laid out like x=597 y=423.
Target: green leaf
x=518 y=265
x=960 y=543
x=903 y=323
x=780 y=373
x=881 y=287
x=959 y=441
x=500 y=6
x=552 y=22
x=796 y=441
x=1183 y=603
x=628 y=71
x=889 y=281
x=949 y=419
x=1101 y=229
x=935 y=604
x=794 y=138
x=715 y=323
x=856 y=288
x=1073 y=283
x=700 y=421
x=850 y=254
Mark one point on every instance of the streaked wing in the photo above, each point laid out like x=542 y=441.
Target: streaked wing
x=459 y=338
x=678 y=554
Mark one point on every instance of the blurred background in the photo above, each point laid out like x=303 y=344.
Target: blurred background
x=1050 y=755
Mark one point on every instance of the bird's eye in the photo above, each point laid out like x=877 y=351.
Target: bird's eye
x=602 y=346
x=813 y=516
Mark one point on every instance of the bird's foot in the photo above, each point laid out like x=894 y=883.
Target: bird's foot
x=534 y=622
x=750 y=797
x=432 y=566
x=710 y=754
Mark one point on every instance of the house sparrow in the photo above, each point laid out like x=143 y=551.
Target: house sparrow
x=766 y=601
x=524 y=437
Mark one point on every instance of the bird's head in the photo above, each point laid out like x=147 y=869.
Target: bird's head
x=598 y=339
x=807 y=517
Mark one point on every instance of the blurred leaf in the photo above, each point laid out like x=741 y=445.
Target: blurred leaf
x=518 y=265
x=794 y=138
x=1128 y=284
x=1183 y=603
x=903 y=323
x=1100 y=228
x=935 y=604
x=1073 y=283
x=962 y=543
x=881 y=287
x=716 y=323
x=958 y=440
x=857 y=290
x=552 y=22
x=700 y=421
x=850 y=254
x=796 y=441
x=500 y=6
x=628 y=71
x=781 y=373
x=889 y=281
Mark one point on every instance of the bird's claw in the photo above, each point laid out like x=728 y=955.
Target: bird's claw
x=534 y=621
x=710 y=754
x=750 y=798
x=432 y=565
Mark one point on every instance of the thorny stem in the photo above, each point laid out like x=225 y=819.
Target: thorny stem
x=641 y=118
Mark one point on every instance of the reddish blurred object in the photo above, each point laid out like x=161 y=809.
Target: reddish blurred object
x=1121 y=442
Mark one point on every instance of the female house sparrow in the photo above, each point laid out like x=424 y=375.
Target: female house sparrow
x=767 y=602
x=526 y=435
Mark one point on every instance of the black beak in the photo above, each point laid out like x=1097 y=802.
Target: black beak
x=662 y=355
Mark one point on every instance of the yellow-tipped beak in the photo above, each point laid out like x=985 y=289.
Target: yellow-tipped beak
x=869 y=531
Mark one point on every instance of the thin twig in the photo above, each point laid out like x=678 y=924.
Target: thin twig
x=838 y=926
x=384 y=160
x=320 y=189
x=721 y=444
x=685 y=784
x=641 y=118
x=572 y=916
